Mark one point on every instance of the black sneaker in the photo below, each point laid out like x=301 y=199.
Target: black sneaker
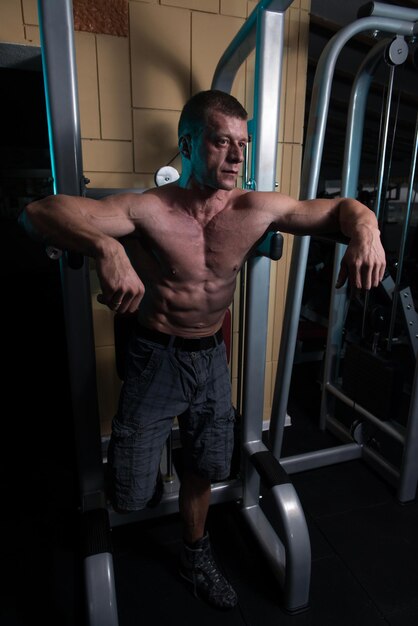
x=199 y=568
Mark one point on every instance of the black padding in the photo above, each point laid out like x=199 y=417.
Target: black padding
x=269 y=469
x=96 y=532
x=271 y=246
x=276 y=247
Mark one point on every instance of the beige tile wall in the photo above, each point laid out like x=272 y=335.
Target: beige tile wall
x=131 y=91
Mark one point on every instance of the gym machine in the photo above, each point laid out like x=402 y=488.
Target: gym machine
x=402 y=25
x=60 y=80
x=290 y=557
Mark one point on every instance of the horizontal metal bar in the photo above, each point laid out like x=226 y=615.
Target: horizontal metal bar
x=390 y=428
x=338 y=429
x=380 y=9
x=373 y=458
x=102 y=192
x=391 y=474
x=321 y=458
x=225 y=491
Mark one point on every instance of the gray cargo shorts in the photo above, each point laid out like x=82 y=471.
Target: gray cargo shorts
x=161 y=383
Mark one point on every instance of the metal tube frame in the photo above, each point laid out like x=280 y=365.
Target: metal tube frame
x=60 y=80
x=351 y=167
x=309 y=184
x=405 y=228
x=382 y=162
x=265 y=30
x=389 y=23
x=59 y=67
x=381 y=9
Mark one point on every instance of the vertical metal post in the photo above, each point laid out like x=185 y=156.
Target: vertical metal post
x=290 y=560
x=242 y=45
x=382 y=160
x=404 y=236
x=60 y=80
x=269 y=57
x=60 y=77
x=356 y=114
x=350 y=174
x=309 y=183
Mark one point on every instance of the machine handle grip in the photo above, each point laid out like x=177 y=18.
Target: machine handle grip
x=271 y=247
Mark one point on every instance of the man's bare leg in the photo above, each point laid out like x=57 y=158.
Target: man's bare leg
x=194 y=501
x=197 y=563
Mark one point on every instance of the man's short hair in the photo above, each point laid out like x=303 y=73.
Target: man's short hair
x=196 y=111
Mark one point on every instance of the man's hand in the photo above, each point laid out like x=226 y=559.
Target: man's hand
x=122 y=289
x=364 y=261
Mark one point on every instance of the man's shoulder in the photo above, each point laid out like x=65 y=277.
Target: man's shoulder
x=145 y=199
x=162 y=195
x=247 y=199
x=260 y=199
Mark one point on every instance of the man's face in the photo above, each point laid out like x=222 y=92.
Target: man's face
x=218 y=151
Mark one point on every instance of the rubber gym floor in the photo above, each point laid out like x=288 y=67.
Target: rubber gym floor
x=364 y=543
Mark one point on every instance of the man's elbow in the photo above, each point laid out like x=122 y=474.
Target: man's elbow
x=27 y=220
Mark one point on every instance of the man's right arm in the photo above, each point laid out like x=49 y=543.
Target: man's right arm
x=78 y=224
x=90 y=227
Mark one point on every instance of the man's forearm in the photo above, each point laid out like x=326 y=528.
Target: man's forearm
x=68 y=223
x=354 y=217
x=364 y=260
x=59 y=221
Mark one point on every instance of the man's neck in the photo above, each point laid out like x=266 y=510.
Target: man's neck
x=203 y=196
x=202 y=199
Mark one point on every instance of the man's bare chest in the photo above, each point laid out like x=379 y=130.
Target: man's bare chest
x=186 y=243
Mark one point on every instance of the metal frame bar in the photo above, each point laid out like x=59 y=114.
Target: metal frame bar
x=309 y=183
x=290 y=559
x=290 y=556
x=388 y=23
x=381 y=9
x=242 y=45
x=60 y=78
x=59 y=67
x=265 y=31
x=270 y=34
x=404 y=237
x=351 y=167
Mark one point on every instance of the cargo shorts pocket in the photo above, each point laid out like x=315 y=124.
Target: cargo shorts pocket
x=135 y=397
x=220 y=446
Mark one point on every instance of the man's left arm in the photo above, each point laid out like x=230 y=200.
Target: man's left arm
x=364 y=261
